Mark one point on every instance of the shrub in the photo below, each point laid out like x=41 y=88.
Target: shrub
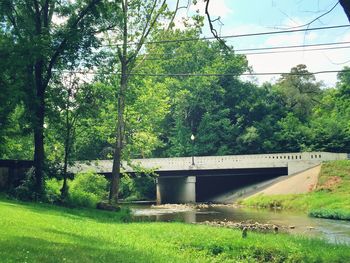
x=125 y=214
x=53 y=190
x=127 y=187
x=338 y=214
x=25 y=191
x=137 y=188
x=87 y=189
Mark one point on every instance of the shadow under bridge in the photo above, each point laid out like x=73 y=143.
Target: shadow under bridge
x=217 y=185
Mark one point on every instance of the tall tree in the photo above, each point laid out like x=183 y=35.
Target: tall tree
x=300 y=91
x=70 y=102
x=330 y=121
x=47 y=35
x=139 y=20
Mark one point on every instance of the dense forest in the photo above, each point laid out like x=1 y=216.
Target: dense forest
x=58 y=86
x=226 y=114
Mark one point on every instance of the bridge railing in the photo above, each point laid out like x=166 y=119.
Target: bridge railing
x=215 y=162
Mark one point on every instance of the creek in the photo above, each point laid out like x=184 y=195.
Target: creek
x=334 y=231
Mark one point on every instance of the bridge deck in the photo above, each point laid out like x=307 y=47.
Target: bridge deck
x=214 y=162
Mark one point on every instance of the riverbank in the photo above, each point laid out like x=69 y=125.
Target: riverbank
x=43 y=233
x=329 y=199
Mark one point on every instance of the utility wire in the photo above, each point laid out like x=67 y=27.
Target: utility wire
x=293 y=46
x=291 y=51
x=283 y=47
x=280 y=49
x=315 y=19
x=233 y=75
x=204 y=74
x=163 y=57
x=235 y=36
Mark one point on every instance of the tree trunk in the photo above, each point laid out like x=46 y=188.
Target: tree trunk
x=113 y=195
x=117 y=156
x=346 y=6
x=39 y=155
x=38 y=161
x=64 y=189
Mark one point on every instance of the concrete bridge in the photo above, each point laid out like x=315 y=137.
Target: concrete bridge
x=181 y=180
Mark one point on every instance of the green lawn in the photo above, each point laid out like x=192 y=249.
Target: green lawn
x=331 y=199
x=43 y=233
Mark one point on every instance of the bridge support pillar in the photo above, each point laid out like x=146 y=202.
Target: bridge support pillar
x=176 y=189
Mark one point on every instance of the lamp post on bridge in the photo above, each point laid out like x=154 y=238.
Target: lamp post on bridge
x=192 y=139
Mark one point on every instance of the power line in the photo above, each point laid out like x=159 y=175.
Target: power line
x=317 y=18
x=324 y=46
x=291 y=51
x=293 y=46
x=204 y=74
x=235 y=36
x=163 y=57
x=234 y=75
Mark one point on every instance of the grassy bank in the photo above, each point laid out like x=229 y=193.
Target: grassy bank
x=41 y=233
x=330 y=199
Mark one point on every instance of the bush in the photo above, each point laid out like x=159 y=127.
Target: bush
x=25 y=191
x=53 y=190
x=137 y=188
x=127 y=187
x=87 y=189
x=330 y=213
x=125 y=214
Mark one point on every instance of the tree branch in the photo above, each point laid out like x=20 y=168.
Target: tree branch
x=46 y=13
x=177 y=8
x=346 y=6
x=37 y=17
x=62 y=45
x=212 y=29
x=147 y=30
x=315 y=19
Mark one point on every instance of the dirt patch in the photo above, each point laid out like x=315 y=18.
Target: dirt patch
x=330 y=184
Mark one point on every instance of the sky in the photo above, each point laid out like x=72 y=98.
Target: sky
x=251 y=16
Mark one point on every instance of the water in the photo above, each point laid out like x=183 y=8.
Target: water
x=335 y=231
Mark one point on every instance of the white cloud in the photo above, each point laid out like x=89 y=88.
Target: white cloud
x=216 y=7
x=345 y=37
x=321 y=60
x=314 y=60
x=290 y=39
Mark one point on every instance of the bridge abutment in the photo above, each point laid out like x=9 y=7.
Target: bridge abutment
x=299 y=166
x=176 y=189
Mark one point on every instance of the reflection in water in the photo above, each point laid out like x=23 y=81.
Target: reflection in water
x=334 y=231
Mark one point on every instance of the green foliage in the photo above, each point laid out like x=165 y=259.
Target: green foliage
x=293 y=135
x=16 y=139
x=25 y=190
x=226 y=114
x=42 y=37
x=338 y=214
x=126 y=188
x=52 y=190
x=101 y=236
x=87 y=189
x=300 y=91
x=330 y=123
x=137 y=188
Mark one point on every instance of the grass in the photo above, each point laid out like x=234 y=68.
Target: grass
x=43 y=233
x=330 y=199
